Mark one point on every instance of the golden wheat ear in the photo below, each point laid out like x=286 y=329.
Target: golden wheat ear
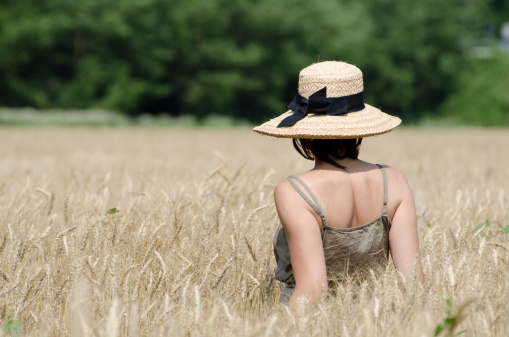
x=148 y=232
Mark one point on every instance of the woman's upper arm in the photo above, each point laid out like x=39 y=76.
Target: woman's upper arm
x=303 y=235
x=403 y=237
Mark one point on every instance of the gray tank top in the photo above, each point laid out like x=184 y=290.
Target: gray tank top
x=349 y=252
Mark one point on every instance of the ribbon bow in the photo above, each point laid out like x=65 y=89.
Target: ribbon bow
x=319 y=103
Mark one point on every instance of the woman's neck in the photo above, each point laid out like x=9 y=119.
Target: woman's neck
x=349 y=163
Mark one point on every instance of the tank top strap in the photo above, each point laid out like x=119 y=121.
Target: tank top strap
x=314 y=203
x=385 y=188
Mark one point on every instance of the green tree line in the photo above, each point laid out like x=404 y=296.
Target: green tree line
x=235 y=58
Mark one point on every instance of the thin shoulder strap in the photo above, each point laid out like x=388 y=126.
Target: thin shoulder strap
x=315 y=205
x=385 y=188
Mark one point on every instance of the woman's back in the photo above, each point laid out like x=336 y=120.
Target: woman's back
x=349 y=250
x=349 y=198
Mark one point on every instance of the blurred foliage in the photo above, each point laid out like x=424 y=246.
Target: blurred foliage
x=482 y=97
x=233 y=58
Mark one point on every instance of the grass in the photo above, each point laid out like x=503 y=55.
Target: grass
x=97 y=117
x=157 y=232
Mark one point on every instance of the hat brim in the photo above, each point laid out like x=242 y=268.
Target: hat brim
x=369 y=121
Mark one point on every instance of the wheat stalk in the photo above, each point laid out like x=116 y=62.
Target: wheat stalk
x=209 y=221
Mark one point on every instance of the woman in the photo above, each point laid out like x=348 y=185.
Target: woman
x=344 y=216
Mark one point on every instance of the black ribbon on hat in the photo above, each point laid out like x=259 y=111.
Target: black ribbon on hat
x=319 y=103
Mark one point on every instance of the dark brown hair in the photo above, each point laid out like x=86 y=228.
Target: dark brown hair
x=328 y=149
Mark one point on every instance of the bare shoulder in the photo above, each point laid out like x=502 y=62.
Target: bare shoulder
x=395 y=176
x=282 y=190
x=287 y=198
x=282 y=186
x=393 y=171
x=285 y=194
x=399 y=189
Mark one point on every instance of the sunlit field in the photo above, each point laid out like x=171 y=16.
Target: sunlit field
x=166 y=232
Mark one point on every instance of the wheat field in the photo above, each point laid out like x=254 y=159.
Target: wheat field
x=167 y=232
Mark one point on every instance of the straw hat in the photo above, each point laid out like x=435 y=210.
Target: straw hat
x=329 y=105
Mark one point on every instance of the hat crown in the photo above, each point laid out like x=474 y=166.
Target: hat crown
x=340 y=78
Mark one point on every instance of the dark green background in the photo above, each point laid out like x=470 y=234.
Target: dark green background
x=241 y=58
